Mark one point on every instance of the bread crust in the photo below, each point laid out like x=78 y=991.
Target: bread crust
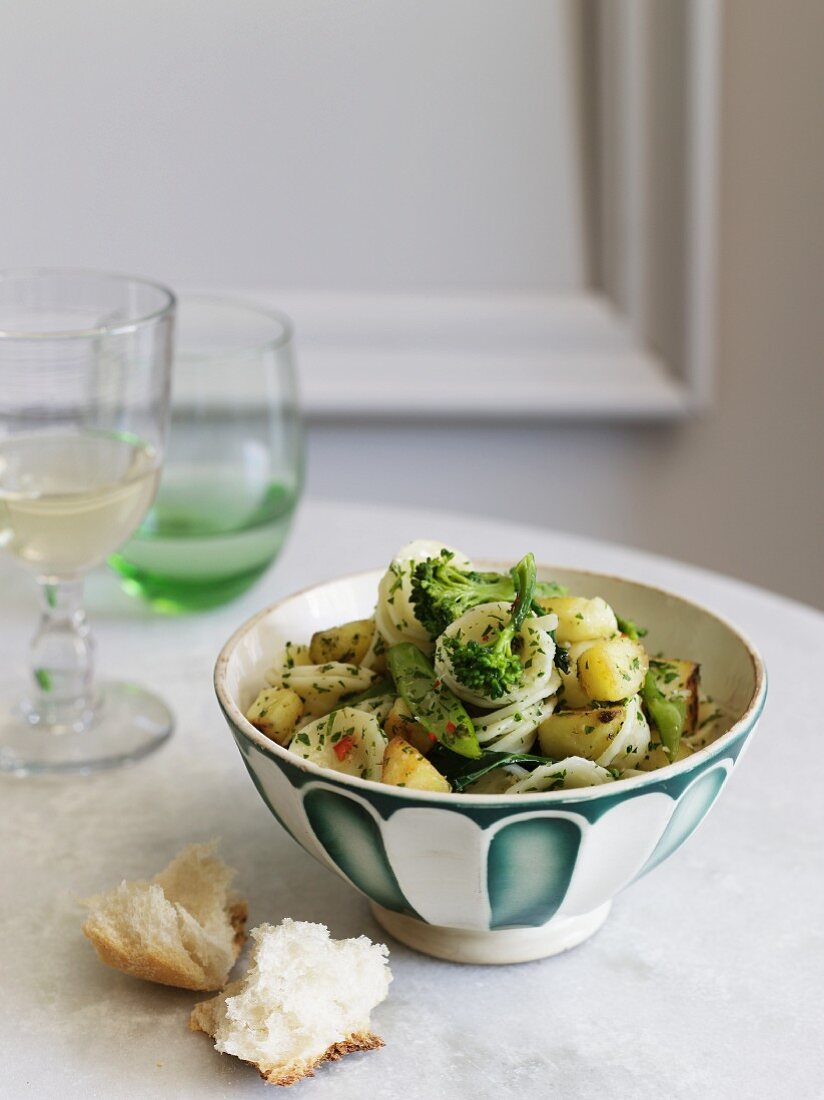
x=166 y=968
x=151 y=967
x=286 y=1073
x=297 y=1071
x=238 y=915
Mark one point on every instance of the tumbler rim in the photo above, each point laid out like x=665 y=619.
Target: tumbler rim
x=132 y=324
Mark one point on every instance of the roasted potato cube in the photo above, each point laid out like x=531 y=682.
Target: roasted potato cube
x=375 y=657
x=584 y=733
x=657 y=757
x=572 y=695
x=348 y=643
x=276 y=713
x=404 y=766
x=613 y=669
x=296 y=655
x=580 y=619
x=679 y=679
x=400 y=723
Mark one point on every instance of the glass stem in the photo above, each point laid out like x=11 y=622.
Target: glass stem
x=62 y=659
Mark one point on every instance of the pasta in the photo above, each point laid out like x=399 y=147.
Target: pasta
x=484 y=683
x=395 y=615
x=538 y=650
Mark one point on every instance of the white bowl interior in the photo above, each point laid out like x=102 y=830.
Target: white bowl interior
x=677 y=628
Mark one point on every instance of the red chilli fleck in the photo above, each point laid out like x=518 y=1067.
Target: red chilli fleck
x=343 y=747
x=431 y=737
x=450 y=727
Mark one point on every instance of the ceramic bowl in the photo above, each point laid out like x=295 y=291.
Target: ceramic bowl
x=493 y=878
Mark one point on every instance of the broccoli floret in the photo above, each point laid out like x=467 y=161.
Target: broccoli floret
x=493 y=668
x=442 y=592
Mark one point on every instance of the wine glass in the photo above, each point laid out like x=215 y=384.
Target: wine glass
x=85 y=363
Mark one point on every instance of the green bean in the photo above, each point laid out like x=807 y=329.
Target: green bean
x=668 y=715
x=432 y=704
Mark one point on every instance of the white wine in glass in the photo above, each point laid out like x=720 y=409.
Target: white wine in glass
x=68 y=499
x=84 y=393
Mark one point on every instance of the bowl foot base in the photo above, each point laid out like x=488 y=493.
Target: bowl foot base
x=506 y=945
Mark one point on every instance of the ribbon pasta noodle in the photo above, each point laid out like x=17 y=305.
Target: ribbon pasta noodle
x=537 y=650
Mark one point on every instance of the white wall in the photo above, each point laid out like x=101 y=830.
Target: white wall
x=304 y=144
x=742 y=489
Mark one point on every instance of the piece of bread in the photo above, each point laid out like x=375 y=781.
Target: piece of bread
x=305 y=999
x=184 y=927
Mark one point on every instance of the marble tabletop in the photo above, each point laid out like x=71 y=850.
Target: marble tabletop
x=706 y=981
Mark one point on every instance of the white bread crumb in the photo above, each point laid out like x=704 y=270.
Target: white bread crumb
x=304 y=999
x=183 y=928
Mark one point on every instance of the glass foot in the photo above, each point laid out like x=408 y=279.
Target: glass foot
x=128 y=723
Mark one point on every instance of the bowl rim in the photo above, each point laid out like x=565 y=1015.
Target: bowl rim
x=451 y=798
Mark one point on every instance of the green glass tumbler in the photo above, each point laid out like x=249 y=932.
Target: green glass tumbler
x=234 y=461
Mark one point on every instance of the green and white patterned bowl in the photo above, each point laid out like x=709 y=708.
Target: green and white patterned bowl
x=493 y=878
